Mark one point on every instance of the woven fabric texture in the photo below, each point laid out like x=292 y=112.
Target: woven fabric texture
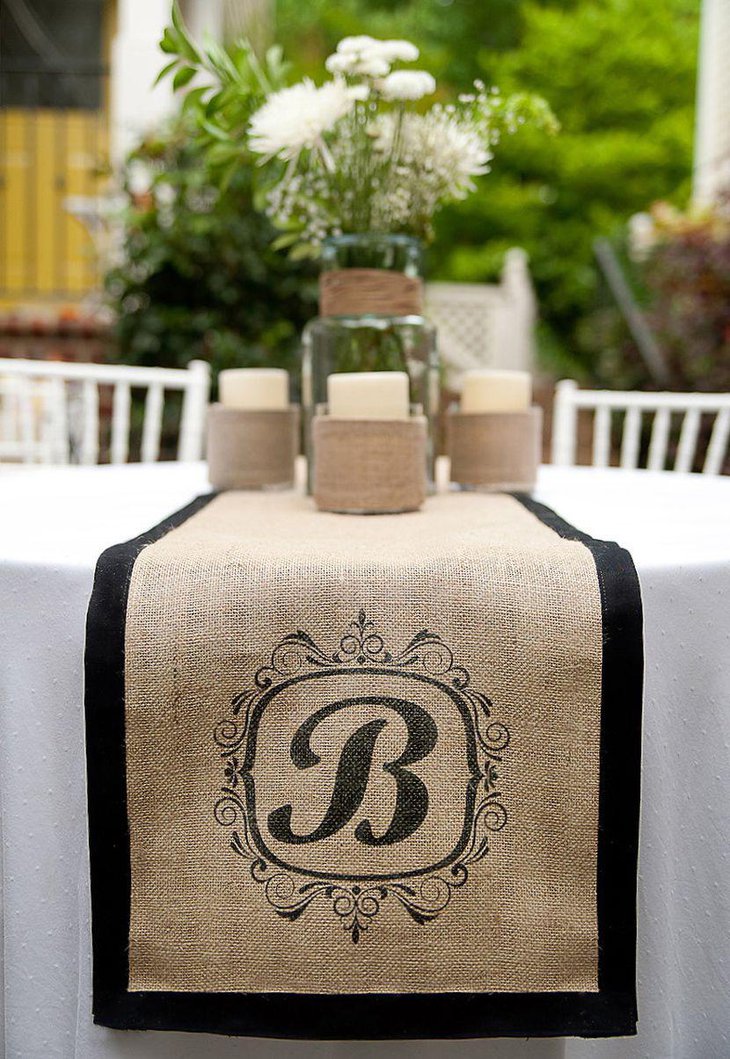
x=369 y=465
x=252 y=449
x=363 y=754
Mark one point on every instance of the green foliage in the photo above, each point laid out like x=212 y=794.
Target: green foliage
x=619 y=75
x=198 y=276
x=235 y=84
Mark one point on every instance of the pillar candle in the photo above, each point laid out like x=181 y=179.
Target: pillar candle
x=254 y=389
x=369 y=395
x=487 y=390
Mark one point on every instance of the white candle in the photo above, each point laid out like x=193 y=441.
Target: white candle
x=488 y=390
x=254 y=389
x=368 y=395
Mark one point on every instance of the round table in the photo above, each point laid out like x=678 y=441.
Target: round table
x=54 y=523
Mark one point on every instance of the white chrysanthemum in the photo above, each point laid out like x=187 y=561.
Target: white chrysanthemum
x=366 y=63
x=339 y=64
x=355 y=44
x=407 y=85
x=396 y=50
x=296 y=118
x=359 y=92
x=371 y=65
x=439 y=156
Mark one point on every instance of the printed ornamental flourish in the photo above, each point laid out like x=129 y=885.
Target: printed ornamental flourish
x=376 y=713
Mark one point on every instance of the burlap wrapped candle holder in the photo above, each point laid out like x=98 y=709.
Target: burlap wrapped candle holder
x=494 y=451
x=369 y=466
x=250 y=449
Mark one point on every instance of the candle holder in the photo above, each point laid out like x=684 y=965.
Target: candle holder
x=250 y=449
x=494 y=451
x=369 y=466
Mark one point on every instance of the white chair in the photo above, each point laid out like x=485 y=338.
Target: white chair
x=661 y=406
x=485 y=325
x=49 y=411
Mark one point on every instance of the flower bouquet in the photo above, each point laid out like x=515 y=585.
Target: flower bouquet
x=352 y=171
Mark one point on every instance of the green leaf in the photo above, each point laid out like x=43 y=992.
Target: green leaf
x=221 y=153
x=284 y=241
x=193 y=98
x=170 y=42
x=183 y=77
x=165 y=71
x=186 y=46
x=214 y=130
x=302 y=252
x=177 y=19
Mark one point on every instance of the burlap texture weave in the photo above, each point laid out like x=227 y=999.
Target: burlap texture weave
x=498 y=450
x=363 y=754
x=353 y=291
x=369 y=465
x=250 y=449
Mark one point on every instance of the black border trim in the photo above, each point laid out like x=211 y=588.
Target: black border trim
x=610 y=1012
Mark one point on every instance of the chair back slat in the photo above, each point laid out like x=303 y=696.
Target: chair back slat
x=25 y=415
x=35 y=424
x=565 y=423
x=152 y=426
x=569 y=400
x=121 y=405
x=718 y=443
x=659 y=441
x=687 y=441
x=602 y=437
x=56 y=418
x=631 y=439
x=89 y=453
x=192 y=418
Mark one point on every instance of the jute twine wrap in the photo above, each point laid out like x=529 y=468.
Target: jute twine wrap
x=494 y=450
x=352 y=291
x=518 y=608
x=251 y=449
x=369 y=465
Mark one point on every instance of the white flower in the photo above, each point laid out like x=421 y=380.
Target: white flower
x=407 y=84
x=438 y=157
x=359 y=92
x=355 y=44
x=296 y=118
x=371 y=65
x=338 y=64
x=642 y=235
x=367 y=63
x=396 y=50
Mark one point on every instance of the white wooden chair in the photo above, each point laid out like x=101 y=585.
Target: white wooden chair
x=49 y=411
x=569 y=400
x=485 y=325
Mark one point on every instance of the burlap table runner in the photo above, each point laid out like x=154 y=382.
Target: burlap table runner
x=364 y=777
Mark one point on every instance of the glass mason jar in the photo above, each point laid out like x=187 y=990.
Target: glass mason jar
x=371 y=320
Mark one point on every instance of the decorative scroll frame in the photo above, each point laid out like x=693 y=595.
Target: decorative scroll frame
x=357 y=902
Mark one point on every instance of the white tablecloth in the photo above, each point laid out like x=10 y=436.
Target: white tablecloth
x=54 y=524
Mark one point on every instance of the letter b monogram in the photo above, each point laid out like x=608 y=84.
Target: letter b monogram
x=353 y=774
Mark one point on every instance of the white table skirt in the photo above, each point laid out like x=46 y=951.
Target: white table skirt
x=54 y=524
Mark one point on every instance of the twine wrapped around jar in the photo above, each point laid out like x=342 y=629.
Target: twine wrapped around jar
x=497 y=451
x=369 y=466
x=357 y=291
x=252 y=449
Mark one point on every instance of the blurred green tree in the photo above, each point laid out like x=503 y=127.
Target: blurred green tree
x=197 y=276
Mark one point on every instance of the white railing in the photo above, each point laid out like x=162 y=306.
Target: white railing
x=569 y=400
x=485 y=325
x=49 y=411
